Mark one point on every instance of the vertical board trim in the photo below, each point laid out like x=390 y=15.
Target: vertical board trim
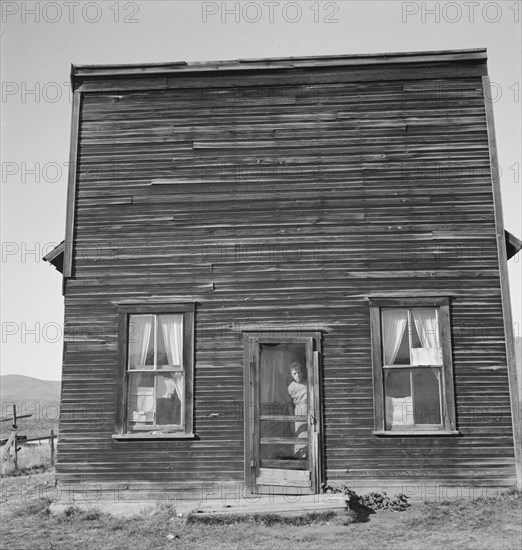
x=504 y=281
x=71 y=186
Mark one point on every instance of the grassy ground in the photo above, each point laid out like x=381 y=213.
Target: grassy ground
x=31 y=459
x=492 y=524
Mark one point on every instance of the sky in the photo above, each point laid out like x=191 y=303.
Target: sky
x=40 y=40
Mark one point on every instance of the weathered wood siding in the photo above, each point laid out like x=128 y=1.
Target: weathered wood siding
x=285 y=198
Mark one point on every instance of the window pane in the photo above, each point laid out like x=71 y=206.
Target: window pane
x=283 y=428
x=280 y=392
x=170 y=340
x=399 y=401
x=140 y=402
x=285 y=452
x=415 y=340
x=426 y=389
x=403 y=354
x=170 y=396
x=284 y=391
x=395 y=343
x=141 y=342
x=161 y=351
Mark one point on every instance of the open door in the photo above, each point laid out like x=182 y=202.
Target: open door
x=283 y=413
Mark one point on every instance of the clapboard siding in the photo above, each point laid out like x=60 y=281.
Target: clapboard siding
x=283 y=198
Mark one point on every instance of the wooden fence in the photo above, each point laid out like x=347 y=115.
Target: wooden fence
x=14 y=439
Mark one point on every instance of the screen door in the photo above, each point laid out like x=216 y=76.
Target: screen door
x=282 y=423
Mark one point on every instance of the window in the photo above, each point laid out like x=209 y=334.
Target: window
x=156 y=366
x=413 y=373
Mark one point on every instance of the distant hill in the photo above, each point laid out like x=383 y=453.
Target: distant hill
x=16 y=388
x=41 y=398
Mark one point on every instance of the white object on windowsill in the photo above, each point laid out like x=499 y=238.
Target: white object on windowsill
x=399 y=411
x=426 y=356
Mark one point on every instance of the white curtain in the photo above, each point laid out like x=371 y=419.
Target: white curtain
x=172 y=330
x=394 y=323
x=140 y=328
x=425 y=320
x=141 y=396
x=274 y=378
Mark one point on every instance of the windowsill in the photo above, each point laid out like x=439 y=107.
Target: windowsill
x=153 y=436
x=416 y=432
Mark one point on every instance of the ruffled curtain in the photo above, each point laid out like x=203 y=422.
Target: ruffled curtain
x=425 y=320
x=394 y=323
x=140 y=329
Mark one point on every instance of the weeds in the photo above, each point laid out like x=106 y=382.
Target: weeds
x=263 y=519
x=362 y=506
x=75 y=513
x=34 y=459
x=39 y=508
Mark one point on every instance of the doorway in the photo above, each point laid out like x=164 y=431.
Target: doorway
x=283 y=413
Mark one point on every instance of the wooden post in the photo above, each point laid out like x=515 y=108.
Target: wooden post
x=15 y=446
x=15 y=440
x=52 y=447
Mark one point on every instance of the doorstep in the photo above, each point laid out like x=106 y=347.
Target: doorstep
x=255 y=504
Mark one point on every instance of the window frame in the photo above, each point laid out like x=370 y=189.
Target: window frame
x=448 y=420
x=124 y=313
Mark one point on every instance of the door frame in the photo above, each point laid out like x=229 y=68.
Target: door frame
x=312 y=341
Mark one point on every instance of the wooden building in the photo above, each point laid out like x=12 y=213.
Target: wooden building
x=281 y=273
